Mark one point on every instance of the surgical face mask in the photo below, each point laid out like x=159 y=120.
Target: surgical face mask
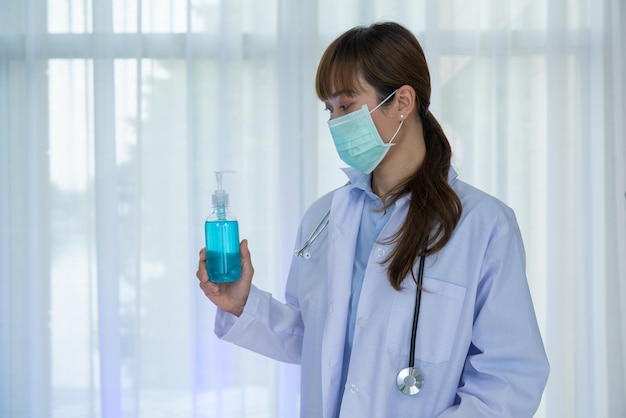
x=357 y=140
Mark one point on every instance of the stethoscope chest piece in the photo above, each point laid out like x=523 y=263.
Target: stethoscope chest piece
x=410 y=381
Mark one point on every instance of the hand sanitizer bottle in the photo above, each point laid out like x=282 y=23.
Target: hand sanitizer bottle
x=223 y=259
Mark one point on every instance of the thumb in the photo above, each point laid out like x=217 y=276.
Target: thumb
x=247 y=270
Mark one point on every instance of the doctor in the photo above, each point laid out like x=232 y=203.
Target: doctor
x=407 y=294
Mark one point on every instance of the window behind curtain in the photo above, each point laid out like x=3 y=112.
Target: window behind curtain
x=114 y=115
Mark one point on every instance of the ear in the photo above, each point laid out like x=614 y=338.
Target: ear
x=405 y=100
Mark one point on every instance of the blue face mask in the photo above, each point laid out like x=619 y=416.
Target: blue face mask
x=357 y=140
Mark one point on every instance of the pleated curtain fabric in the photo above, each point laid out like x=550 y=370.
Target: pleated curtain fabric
x=115 y=114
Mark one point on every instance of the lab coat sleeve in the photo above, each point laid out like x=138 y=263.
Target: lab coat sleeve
x=506 y=368
x=266 y=326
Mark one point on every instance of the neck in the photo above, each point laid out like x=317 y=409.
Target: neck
x=402 y=160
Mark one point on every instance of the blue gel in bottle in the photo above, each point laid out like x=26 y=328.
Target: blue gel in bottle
x=223 y=259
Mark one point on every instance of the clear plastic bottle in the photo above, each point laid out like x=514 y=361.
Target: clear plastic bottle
x=223 y=259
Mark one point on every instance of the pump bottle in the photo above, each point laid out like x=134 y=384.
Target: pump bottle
x=223 y=259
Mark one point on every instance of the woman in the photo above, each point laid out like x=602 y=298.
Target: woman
x=413 y=265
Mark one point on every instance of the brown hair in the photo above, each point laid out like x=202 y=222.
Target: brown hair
x=388 y=56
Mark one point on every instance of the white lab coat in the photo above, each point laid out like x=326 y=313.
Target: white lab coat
x=478 y=343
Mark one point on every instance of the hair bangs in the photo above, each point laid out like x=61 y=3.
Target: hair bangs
x=339 y=71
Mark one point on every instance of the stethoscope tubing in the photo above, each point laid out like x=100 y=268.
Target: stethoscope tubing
x=321 y=225
x=416 y=312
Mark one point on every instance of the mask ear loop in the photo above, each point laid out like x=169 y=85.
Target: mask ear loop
x=390 y=143
x=386 y=98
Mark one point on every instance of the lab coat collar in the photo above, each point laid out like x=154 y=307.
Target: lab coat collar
x=364 y=181
x=452 y=175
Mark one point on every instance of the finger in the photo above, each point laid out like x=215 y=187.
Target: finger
x=201 y=274
x=210 y=288
x=247 y=271
x=243 y=249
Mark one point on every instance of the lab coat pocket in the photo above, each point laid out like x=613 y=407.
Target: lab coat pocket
x=439 y=319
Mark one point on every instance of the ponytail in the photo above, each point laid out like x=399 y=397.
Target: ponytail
x=434 y=208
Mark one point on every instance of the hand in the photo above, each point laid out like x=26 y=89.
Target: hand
x=230 y=297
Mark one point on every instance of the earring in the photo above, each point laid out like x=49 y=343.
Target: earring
x=401 y=116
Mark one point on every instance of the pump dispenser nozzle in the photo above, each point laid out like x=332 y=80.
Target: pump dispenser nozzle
x=220 y=197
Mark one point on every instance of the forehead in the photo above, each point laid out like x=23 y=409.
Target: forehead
x=338 y=94
x=355 y=88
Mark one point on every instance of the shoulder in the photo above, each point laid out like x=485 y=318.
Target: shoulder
x=479 y=205
x=487 y=236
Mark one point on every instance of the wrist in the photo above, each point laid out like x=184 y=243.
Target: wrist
x=237 y=311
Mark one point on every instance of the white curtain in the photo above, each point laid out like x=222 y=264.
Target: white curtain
x=114 y=114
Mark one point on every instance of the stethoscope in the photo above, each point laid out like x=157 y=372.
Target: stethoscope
x=410 y=380
x=322 y=224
